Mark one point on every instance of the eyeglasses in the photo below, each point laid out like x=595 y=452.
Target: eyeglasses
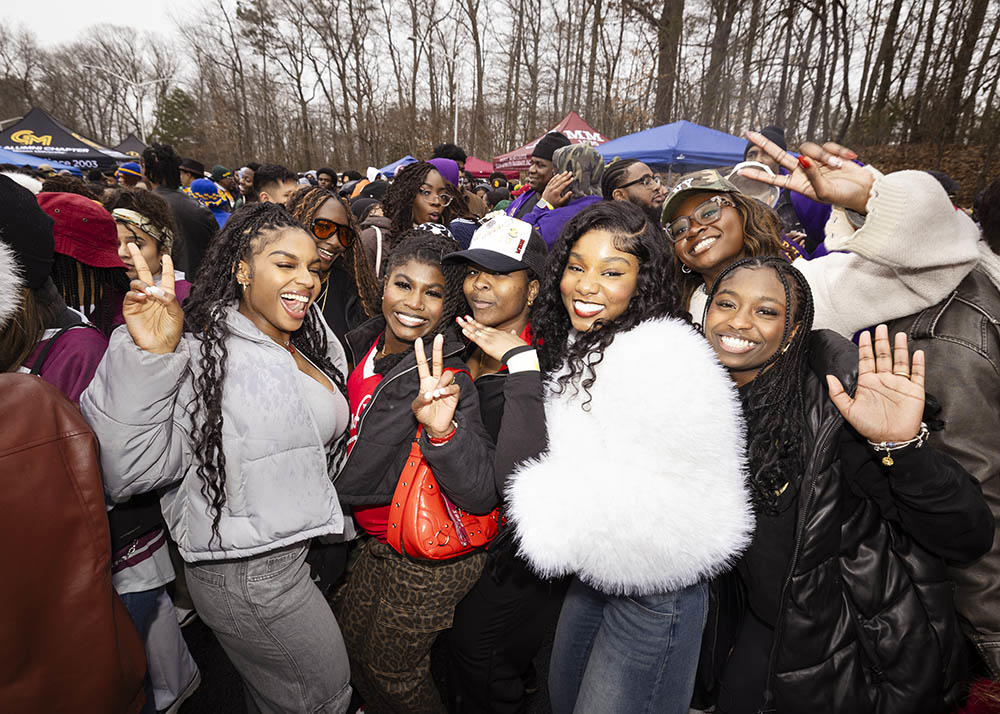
x=706 y=213
x=648 y=181
x=444 y=198
x=323 y=228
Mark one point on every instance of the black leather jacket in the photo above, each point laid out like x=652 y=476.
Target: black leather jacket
x=866 y=619
x=961 y=339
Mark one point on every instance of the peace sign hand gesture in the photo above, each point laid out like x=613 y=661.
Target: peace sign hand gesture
x=152 y=314
x=889 y=402
x=823 y=173
x=435 y=405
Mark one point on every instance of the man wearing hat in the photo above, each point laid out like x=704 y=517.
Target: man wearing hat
x=226 y=182
x=539 y=174
x=191 y=170
x=128 y=175
x=208 y=194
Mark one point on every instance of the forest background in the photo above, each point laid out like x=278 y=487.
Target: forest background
x=352 y=83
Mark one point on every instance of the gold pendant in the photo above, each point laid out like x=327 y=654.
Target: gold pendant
x=887 y=460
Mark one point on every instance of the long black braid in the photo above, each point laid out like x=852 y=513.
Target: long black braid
x=248 y=231
x=774 y=402
x=403 y=192
x=655 y=293
x=427 y=248
x=103 y=289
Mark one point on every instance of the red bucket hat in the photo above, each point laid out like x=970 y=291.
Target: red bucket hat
x=82 y=229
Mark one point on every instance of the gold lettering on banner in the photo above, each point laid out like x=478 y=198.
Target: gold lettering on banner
x=28 y=137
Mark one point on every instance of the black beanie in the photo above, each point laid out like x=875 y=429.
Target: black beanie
x=548 y=144
x=772 y=132
x=26 y=228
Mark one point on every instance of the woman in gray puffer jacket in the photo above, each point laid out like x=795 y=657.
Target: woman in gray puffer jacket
x=239 y=422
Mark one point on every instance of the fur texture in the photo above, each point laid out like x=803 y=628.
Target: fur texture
x=646 y=491
x=11 y=284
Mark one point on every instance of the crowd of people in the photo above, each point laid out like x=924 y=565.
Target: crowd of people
x=729 y=443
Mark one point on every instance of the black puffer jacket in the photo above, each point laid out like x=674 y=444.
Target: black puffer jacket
x=866 y=620
x=463 y=466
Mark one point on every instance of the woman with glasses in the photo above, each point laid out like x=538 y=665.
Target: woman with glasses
x=909 y=248
x=349 y=294
x=631 y=180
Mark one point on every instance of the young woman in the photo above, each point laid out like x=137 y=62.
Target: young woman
x=501 y=624
x=235 y=408
x=350 y=293
x=911 y=250
x=393 y=606
x=144 y=219
x=640 y=495
x=845 y=602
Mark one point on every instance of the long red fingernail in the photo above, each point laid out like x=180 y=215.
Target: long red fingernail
x=804 y=162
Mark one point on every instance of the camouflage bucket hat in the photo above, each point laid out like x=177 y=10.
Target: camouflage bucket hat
x=586 y=164
x=705 y=180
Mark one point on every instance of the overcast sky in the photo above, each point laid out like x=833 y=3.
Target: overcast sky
x=59 y=21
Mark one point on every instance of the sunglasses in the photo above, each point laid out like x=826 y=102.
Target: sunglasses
x=323 y=228
x=706 y=214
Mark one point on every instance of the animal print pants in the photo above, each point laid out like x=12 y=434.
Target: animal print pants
x=390 y=612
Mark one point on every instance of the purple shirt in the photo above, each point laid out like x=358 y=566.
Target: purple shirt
x=550 y=221
x=72 y=361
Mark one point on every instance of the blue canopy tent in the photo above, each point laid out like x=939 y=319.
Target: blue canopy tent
x=681 y=146
x=390 y=170
x=18 y=159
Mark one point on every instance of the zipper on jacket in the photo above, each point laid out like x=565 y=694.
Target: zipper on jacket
x=823 y=440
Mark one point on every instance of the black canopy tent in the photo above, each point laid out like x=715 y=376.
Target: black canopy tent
x=132 y=147
x=38 y=133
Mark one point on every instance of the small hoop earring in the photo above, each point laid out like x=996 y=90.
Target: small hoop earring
x=684 y=269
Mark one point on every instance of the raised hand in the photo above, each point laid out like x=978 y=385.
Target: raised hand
x=889 y=402
x=435 y=405
x=557 y=190
x=491 y=341
x=152 y=314
x=824 y=173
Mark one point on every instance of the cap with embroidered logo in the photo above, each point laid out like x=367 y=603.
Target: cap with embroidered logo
x=504 y=244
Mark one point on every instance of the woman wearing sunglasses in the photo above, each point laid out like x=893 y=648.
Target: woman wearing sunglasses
x=349 y=293
x=909 y=248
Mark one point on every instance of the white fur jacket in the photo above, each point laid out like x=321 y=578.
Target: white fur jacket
x=645 y=491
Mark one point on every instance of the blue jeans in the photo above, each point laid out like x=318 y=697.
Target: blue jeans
x=142 y=607
x=627 y=654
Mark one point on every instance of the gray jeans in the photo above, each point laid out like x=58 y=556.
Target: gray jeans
x=277 y=629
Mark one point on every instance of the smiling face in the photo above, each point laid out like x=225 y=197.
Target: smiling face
x=412 y=303
x=146 y=244
x=598 y=281
x=499 y=300
x=331 y=248
x=427 y=204
x=539 y=173
x=709 y=249
x=745 y=323
x=283 y=280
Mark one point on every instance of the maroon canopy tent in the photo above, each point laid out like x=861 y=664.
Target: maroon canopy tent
x=572 y=125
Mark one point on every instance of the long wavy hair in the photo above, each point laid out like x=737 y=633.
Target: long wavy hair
x=761 y=236
x=402 y=193
x=427 y=248
x=248 y=231
x=774 y=402
x=655 y=293
x=304 y=204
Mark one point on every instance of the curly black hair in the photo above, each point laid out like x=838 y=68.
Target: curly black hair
x=655 y=293
x=249 y=230
x=68 y=184
x=144 y=202
x=428 y=248
x=774 y=402
x=403 y=192
x=162 y=165
x=304 y=204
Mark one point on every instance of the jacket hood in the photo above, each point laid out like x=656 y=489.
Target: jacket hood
x=11 y=283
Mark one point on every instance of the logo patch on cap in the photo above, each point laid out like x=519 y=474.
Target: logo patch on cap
x=503 y=234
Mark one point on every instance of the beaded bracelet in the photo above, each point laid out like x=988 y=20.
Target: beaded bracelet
x=889 y=446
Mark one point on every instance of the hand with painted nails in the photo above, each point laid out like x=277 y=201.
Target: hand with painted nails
x=493 y=342
x=888 y=404
x=824 y=173
x=152 y=314
x=557 y=190
x=437 y=400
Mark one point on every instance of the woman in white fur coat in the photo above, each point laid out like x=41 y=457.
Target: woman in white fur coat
x=640 y=495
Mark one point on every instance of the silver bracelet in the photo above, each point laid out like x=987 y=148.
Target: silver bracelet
x=889 y=446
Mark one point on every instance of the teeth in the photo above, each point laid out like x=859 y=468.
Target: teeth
x=587 y=308
x=409 y=320
x=703 y=245
x=736 y=343
x=325 y=254
x=294 y=296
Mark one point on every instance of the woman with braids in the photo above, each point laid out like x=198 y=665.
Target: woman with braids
x=235 y=410
x=420 y=194
x=393 y=606
x=842 y=602
x=908 y=246
x=640 y=494
x=350 y=293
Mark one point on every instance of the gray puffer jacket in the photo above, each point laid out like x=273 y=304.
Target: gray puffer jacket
x=278 y=486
